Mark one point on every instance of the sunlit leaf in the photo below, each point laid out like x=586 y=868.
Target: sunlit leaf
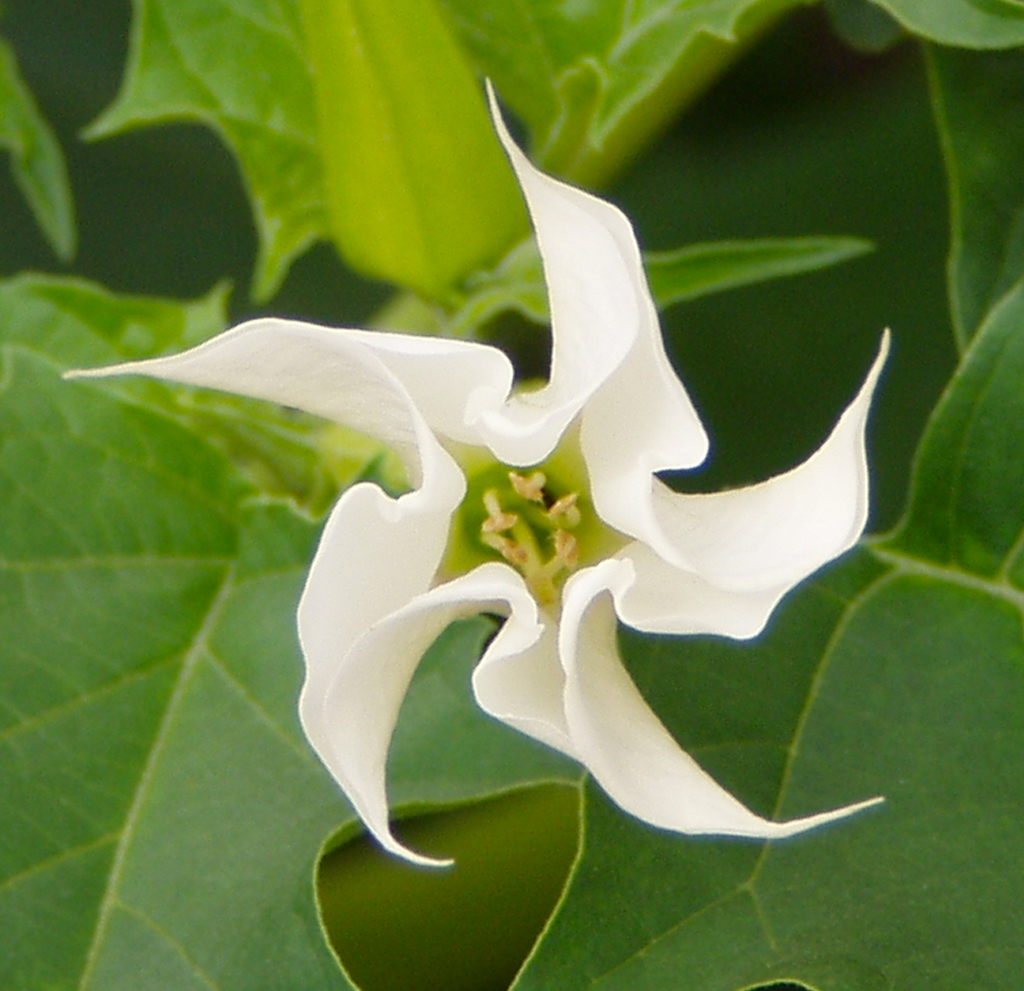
x=36 y=158
x=366 y=125
x=979 y=108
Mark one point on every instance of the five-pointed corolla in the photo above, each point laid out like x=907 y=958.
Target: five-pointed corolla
x=543 y=506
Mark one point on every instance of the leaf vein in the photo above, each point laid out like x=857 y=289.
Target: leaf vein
x=188 y=668
x=42 y=865
x=261 y=713
x=84 y=698
x=151 y=924
x=908 y=564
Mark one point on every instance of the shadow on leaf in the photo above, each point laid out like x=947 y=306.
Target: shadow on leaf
x=397 y=927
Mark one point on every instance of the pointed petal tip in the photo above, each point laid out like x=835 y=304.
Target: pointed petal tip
x=391 y=845
x=88 y=373
x=884 y=347
x=782 y=830
x=496 y=116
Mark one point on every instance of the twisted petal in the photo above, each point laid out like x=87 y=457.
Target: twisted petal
x=376 y=554
x=524 y=690
x=640 y=422
x=599 y=305
x=743 y=549
x=620 y=740
x=390 y=386
x=356 y=714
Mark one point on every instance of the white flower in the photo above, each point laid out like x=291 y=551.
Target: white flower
x=573 y=531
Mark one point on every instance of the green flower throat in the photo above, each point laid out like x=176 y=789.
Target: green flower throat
x=539 y=520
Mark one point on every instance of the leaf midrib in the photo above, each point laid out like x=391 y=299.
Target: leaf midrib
x=193 y=656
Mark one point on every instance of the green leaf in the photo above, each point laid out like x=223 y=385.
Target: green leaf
x=863 y=26
x=163 y=813
x=596 y=80
x=288 y=454
x=420 y=191
x=963 y=23
x=899 y=672
x=76 y=322
x=966 y=510
x=241 y=70
x=979 y=109
x=36 y=158
x=700 y=269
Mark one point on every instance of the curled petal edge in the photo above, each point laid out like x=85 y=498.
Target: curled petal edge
x=385 y=385
x=777 y=532
x=622 y=742
x=598 y=300
x=361 y=705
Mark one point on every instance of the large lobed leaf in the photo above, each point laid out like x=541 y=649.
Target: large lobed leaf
x=165 y=814
x=899 y=672
x=162 y=813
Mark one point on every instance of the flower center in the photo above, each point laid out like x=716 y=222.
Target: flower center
x=537 y=538
x=540 y=520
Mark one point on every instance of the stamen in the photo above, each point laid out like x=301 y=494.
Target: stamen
x=511 y=551
x=535 y=540
x=567 y=551
x=567 y=509
x=531 y=488
x=498 y=521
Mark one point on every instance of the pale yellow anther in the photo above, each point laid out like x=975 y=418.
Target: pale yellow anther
x=566 y=549
x=511 y=551
x=531 y=488
x=565 y=510
x=498 y=521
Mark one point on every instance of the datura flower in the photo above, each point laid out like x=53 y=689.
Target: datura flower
x=542 y=506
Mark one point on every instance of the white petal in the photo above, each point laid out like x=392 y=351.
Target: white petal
x=773 y=535
x=598 y=300
x=380 y=384
x=667 y=599
x=376 y=554
x=640 y=422
x=452 y=382
x=624 y=745
x=356 y=714
x=524 y=689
